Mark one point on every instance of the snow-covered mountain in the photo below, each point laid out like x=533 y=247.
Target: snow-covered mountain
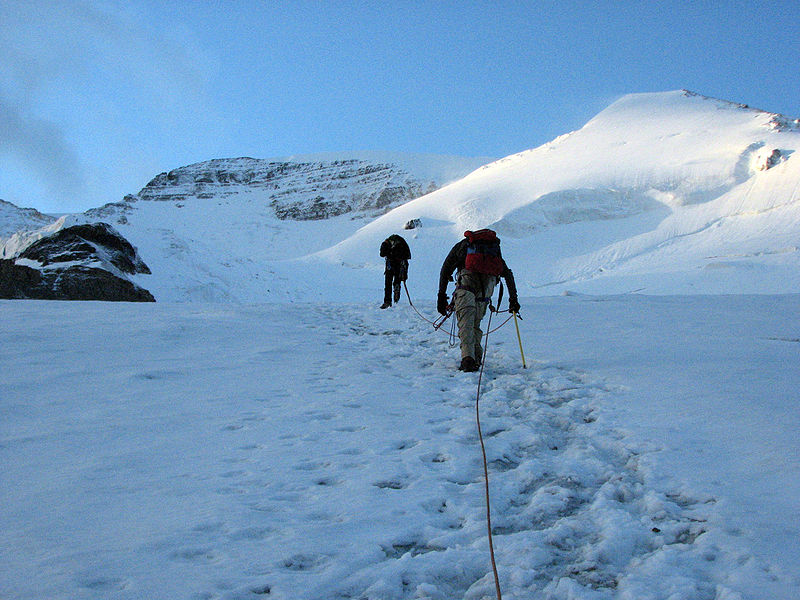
x=661 y=193
x=665 y=193
x=223 y=230
x=330 y=450
x=14 y=219
x=310 y=187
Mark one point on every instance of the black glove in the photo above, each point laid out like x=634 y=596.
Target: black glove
x=513 y=305
x=441 y=303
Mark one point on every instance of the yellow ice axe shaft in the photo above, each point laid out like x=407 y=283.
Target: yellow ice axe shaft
x=516 y=324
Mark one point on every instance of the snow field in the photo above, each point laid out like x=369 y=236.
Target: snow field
x=330 y=451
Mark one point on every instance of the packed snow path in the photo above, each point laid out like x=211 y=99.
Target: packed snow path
x=326 y=452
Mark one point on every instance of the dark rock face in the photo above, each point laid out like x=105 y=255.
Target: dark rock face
x=73 y=283
x=85 y=262
x=773 y=159
x=92 y=241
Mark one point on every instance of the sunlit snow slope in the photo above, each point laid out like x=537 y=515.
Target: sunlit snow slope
x=663 y=193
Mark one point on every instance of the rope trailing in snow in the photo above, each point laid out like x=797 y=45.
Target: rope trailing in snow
x=499 y=327
x=437 y=325
x=485 y=464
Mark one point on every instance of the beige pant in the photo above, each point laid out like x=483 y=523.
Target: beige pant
x=472 y=296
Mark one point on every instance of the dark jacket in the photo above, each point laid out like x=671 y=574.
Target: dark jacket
x=395 y=248
x=455 y=261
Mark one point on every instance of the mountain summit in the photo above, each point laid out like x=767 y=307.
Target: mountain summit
x=224 y=229
x=666 y=193
x=661 y=193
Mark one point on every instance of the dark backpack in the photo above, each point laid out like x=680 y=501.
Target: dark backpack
x=483 y=252
x=398 y=248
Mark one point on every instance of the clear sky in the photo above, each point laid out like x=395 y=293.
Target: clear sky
x=98 y=97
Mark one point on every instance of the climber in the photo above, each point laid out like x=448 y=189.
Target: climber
x=479 y=263
x=397 y=254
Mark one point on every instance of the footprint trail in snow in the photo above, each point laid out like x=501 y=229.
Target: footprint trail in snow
x=572 y=515
x=330 y=452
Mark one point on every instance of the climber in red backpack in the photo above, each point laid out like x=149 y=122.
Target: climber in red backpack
x=479 y=263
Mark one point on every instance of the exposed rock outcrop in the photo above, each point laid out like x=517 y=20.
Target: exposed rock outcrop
x=84 y=262
x=295 y=190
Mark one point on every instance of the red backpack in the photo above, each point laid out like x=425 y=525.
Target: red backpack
x=483 y=252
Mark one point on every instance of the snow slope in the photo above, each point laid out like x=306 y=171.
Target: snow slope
x=325 y=449
x=322 y=451
x=14 y=219
x=222 y=230
x=663 y=193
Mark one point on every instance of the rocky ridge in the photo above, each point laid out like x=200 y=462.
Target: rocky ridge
x=299 y=190
x=249 y=211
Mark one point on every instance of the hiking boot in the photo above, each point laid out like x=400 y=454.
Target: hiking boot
x=386 y=305
x=396 y=296
x=468 y=365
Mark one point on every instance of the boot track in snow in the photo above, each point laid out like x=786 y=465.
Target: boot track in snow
x=571 y=511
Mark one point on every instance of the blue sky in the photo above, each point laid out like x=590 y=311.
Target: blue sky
x=96 y=98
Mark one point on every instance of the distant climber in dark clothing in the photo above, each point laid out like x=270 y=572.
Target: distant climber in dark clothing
x=397 y=254
x=479 y=263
